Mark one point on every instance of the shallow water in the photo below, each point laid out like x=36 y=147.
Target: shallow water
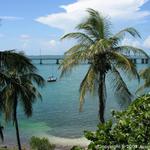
x=57 y=115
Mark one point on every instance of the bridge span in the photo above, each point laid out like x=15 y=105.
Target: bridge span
x=58 y=58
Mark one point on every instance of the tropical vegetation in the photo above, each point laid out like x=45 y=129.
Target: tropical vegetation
x=41 y=144
x=130 y=131
x=18 y=77
x=106 y=56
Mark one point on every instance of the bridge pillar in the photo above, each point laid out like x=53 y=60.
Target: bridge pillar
x=142 y=61
x=40 y=61
x=134 y=61
x=57 y=61
x=146 y=60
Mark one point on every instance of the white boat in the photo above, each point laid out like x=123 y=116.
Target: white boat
x=52 y=79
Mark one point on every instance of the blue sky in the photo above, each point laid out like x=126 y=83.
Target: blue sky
x=31 y=25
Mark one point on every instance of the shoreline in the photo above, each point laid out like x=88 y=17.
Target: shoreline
x=61 y=143
x=66 y=143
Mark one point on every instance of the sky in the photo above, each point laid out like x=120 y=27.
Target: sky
x=37 y=25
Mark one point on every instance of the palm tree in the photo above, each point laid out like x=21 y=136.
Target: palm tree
x=19 y=89
x=10 y=60
x=17 y=78
x=104 y=52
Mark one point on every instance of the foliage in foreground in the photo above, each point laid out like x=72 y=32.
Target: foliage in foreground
x=131 y=130
x=41 y=144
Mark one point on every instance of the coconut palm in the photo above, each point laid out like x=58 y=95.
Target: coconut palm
x=103 y=50
x=10 y=60
x=17 y=76
x=19 y=89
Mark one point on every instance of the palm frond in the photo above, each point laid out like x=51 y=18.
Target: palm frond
x=81 y=37
x=100 y=47
x=33 y=77
x=70 y=61
x=128 y=49
x=131 y=31
x=125 y=64
x=76 y=48
x=7 y=98
x=11 y=59
x=145 y=75
x=95 y=25
x=28 y=95
x=87 y=84
x=119 y=85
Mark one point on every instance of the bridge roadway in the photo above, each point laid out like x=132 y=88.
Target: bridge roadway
x=136 y=60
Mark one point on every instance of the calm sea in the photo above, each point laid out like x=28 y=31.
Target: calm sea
x=57 y=116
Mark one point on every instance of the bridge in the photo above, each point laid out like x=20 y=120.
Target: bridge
x=44 y=59
x=58 y=58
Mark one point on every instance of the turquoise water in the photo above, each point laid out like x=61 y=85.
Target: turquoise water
x=57 y=115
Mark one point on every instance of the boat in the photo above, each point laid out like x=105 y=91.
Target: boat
x=51 y=79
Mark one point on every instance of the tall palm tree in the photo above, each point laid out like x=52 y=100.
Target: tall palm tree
x=17 y=78
x=97 y=45
x=19 y=89
x=10 y=60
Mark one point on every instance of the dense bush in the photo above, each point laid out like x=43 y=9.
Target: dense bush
x=131 y=129
x=40 y=144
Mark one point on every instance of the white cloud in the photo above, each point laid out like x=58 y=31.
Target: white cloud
x=147 y=42
x=10 y=18
x=75 y=12
x=52 y=43
x=24 y=37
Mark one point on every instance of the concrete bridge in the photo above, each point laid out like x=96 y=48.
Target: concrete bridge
x=57 y=59
x=41 y=60
x=139 y=59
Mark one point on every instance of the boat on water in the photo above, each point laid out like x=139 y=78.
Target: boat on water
x=51 y=79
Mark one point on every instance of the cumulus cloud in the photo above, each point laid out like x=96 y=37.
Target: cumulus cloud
x=75 y=12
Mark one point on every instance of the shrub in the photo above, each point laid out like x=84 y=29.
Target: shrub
x=41 y=144
x=130 y=131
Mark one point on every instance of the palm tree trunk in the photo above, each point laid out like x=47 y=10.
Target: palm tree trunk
x=101 y=93
x=17 y=134
x=16 y=125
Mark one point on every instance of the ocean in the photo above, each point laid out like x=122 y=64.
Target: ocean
x=57 y=116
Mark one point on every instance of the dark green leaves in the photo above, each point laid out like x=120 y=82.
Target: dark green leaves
x=131 y=128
